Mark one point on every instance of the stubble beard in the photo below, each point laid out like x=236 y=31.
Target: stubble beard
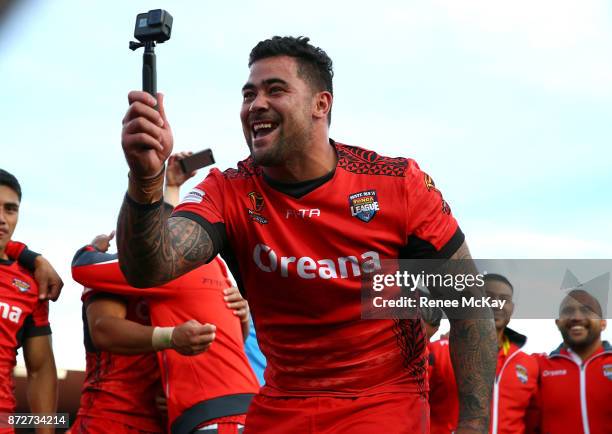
x=582 y=343
x=285 y=149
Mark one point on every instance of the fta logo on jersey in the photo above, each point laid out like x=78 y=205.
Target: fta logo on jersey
x=21 y=285
x=12 y=313
x=302 y=213
x=257 y=205
x=522 y=374
x=364 y=205
x=607 y=371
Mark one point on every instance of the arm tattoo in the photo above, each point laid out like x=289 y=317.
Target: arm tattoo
x=473 y=350
x=154 y=249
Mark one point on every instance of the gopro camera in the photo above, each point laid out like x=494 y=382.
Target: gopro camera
x=153 y=26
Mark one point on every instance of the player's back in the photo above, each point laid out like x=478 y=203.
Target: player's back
x=220 y=381
x=192 y=384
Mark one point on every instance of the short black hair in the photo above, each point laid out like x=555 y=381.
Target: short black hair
x=314 y=65
x=499 y=278
x=583 y=297
x=11 y=182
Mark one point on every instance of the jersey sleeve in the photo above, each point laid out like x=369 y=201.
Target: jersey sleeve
x=99 y=271
x=37 y=324
x=432 y=231
x=205 y=204
x=13 y=249
x=19 y=252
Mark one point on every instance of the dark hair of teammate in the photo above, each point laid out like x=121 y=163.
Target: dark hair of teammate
x=499 y=278
x=11 y=182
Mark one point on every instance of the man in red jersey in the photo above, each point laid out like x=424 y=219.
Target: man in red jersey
x=513 y=405
x=226 y=382
x=299 y=222
x=575 y=381
x=23 y=320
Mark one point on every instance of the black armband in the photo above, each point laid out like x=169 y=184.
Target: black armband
x=27 y=258
x=143 y=206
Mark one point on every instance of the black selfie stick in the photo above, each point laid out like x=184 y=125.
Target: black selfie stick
x=149 y=70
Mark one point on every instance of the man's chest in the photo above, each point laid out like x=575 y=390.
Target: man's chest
x=334 y=221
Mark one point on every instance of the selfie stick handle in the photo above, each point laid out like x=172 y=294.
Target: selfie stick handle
x=149 y=71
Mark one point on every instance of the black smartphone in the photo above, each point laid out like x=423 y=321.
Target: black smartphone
x=197 y=161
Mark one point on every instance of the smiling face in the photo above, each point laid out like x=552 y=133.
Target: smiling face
x=9 y=214
x=580 y=320
x=277 y=111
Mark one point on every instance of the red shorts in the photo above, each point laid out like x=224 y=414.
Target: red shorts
x=389 y=413
x=223 y=425
x=97 y=425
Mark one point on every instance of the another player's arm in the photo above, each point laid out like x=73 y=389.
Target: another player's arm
x=42 y=377
x=48 y=280
x=111 y=331
x=240 y=307
x=473 y=350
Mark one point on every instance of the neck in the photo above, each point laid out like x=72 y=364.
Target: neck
x=3 y=254
x=500 y=336
x=315 y=160
x=587 y=351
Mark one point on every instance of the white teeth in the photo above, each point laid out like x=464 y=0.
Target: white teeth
x=577 y=328
x=258 y=127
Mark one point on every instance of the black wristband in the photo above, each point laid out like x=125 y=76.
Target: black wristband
x=143 y=206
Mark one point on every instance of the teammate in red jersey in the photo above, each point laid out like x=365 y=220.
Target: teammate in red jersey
x=23 y=320
x=575 y=381
x=298 y=223
x=513 y=408
x=226 y=382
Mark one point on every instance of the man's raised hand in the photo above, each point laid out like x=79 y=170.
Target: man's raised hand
x=146 y=137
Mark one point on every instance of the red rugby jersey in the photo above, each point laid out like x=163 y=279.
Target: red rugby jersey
x=120 y=387
x=298 y=253
x=443 y=395
x=216 y=383
x=513 y=406
x=22 y=316
x=575 y=395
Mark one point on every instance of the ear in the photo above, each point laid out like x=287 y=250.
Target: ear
x=322 y=104
x=604 y=324
x=557 y=322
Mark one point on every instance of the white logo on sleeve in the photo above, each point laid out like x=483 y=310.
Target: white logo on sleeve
x=194 y=196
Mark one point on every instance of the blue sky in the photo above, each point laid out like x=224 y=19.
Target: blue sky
x=505 y=105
